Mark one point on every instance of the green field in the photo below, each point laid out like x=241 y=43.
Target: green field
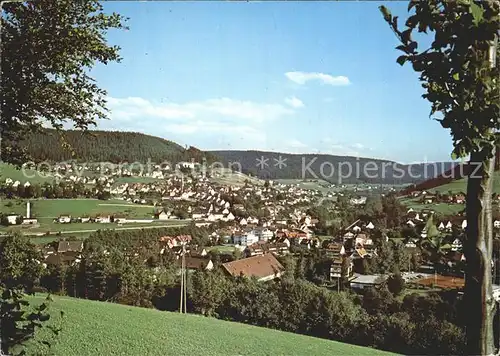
x=83 y=230
x=99 y=328
x=53 y=208
x=460 y=185
x=319 y=185
x=324 y=186
x=46 y=210
x=229 y=177
x=222 y=248
x=23 y=175
x=138 y=179
x=440 y=208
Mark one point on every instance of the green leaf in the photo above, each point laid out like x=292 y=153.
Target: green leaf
x=412 y=4
x=477 y=13
x=402 y=48
x=386 y=13
x=456 y=76
x=44 y=317
x=412 y=46
x=402 y=60
x=406 y=35
x=395 y=22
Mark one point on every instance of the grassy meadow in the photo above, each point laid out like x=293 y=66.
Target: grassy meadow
x=46 y=210
x=132 y=180
x=53 y=208
x=229 y=177
x=24 y=175
x=460 y=185
x=99 y=328
x=83 y=230
x=456 y=186
x=440 y=208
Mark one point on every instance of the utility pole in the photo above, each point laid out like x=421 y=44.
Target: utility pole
x=182 y=283
x=185 y=279
x=183 y=303
x=1 y=352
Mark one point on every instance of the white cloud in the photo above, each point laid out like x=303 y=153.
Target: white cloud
x=294 y=143
x=358 y=146
x=220 y=123
x=330 y=146
x=133 y=107
x=294 y=102
x=303 y=77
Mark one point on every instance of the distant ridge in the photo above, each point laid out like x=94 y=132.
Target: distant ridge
x=107 y=146
x=319 y=166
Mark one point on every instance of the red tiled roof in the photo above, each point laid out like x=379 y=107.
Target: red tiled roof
x=257 y=266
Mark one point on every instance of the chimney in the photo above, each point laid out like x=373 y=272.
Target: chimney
x=28 y=210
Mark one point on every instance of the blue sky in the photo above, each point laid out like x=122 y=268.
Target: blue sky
x=282 y=76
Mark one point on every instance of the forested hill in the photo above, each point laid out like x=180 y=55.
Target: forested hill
x=120 y=146
x=319 y=166
x=109 y=146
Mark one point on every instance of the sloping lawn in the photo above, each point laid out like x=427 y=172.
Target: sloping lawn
x=98 y=328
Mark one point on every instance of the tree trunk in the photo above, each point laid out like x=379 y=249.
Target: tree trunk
x=479 y=306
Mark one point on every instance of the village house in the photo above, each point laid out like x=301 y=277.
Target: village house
x=411 y=243
x=163 y=215
x=334 y=249
x=245 y=238
x=64 y=219
x=264 y=268
x=261 y=248
x=336 y=269
x=13 y=219
x=198 y=252
x=67 y=252
x=358 y=201
x=69 y=246
x=361 y=282
x=428 y=199
x=196 y=263
x=264 y=234
x=171 y=241
x=459 y=199
x=456 y=245
x=103 y=219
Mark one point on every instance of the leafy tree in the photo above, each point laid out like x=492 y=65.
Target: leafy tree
x=437 y=247
x=19 y=271
x=430 y=228
x=395 y=284
x=19 y=262
x=207 y=293
x=17 y=325
x=384 y=260
x=460 y=73
x=47 y=48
